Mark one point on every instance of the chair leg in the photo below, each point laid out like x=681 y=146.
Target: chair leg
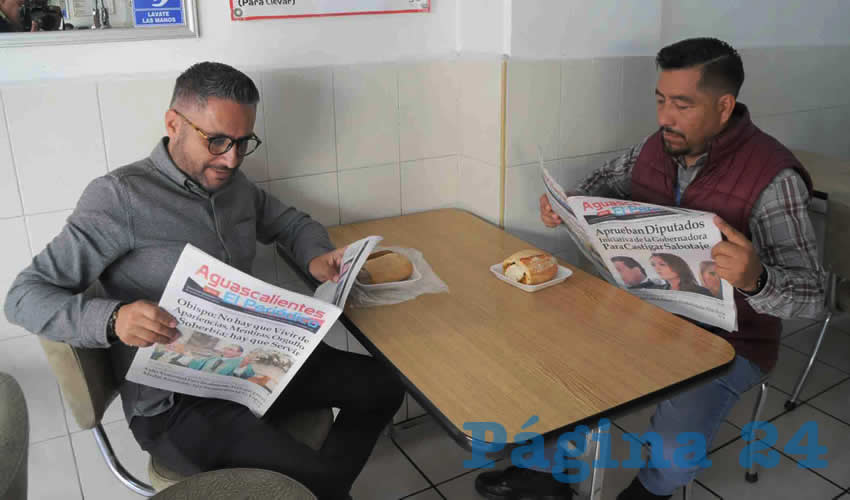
x=115 y=466
x=792 y=403
x=591 y=488
x=752 y=467
x=688 y=491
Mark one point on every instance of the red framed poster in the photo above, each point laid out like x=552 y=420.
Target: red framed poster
x=250 y=10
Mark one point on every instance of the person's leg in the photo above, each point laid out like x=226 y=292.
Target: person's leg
x=201 y=434
x=367 y=393
x=700 y=410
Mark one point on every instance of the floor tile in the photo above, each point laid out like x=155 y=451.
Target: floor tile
x=461 y=488
x=742 y=413
x=835 y=401
x=831 y=433
x=431 y=494
x=637 y=421
x=791 y=364
x=432 y=449
x=52 y=473
x=841 y=321
x=97 y=480
x=388 y=474
x=792 y=326
x=725 y=476
x=834 y=349
x=24 y=359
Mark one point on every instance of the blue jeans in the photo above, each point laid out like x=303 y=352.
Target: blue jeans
x=700 y=410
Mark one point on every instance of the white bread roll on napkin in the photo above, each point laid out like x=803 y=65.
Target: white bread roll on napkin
x=530 y=267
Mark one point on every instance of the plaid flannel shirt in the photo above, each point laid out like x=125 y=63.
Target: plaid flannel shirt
x=782 y=233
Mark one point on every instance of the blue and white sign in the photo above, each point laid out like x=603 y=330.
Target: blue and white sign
x=157 y=13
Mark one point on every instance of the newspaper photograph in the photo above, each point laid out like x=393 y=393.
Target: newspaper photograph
x=660 y=254
x=241 y=339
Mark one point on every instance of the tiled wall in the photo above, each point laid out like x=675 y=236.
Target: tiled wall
x=583 y=112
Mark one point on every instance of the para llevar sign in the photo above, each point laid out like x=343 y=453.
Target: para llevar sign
x=147 y=13
x=249 y=10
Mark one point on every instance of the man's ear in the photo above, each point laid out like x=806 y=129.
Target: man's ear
x=172 y=123
x=725 y=105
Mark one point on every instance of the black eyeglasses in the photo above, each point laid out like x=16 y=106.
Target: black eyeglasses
x=220 y=144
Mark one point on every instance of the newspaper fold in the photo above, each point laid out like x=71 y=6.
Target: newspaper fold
x=660 y=254
x=241 y=339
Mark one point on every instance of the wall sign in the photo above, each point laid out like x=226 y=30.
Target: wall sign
x=147 y=13
x=249 y=10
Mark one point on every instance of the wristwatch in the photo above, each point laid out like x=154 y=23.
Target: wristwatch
x=111 y=336
x=762 y=281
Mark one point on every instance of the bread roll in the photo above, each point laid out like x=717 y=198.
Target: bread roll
x=384 y=267
x=530 y=267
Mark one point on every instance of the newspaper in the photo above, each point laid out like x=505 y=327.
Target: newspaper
x=241 y=339
x=660 y=254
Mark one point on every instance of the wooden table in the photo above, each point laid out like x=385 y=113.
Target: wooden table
x=488 y=351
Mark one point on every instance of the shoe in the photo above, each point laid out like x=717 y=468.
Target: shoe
x=636 y=491
x=515 y=483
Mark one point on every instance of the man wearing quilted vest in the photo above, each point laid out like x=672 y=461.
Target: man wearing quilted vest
x=708 y=155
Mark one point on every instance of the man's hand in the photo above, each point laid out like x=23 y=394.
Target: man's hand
x=144 y=323
x=737 y=261
x=327 y=266
x=547 y=215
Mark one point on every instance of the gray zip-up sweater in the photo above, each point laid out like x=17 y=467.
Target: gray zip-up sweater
x=128 y=230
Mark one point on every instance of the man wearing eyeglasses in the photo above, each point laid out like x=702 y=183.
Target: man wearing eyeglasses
x=127 y=232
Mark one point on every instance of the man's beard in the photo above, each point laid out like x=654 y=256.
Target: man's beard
x=196 y=172
x=670 y=150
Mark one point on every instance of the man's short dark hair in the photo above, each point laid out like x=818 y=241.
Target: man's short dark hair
x=629 y=262
x=722 y=68
x=210 y=79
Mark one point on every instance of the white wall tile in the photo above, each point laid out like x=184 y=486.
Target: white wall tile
x=24 y=359
x=96 y=479
x=255 y=166
x=523 y=187
x=534 y=94
x=428 y=100
x=429 y=184
x=369 y=193
x=299 y=135
x=354 y=345
x=639 y=111
x=10 y=199
x=366 y=112
x=479 y=109
x=133 y=114
x=337 y=337
x=42 y=228
x=56 y=142
x=591 y=106
x=16 y=256
x=480 y=188
x=52 y=473
x=313 y=194
x=413 y=408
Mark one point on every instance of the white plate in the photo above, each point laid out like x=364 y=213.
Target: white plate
x=562 y=274
x=414 y=277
